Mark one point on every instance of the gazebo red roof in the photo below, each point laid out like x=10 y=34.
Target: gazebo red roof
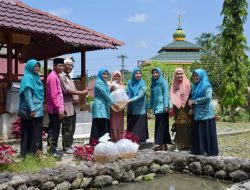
x=18 y=17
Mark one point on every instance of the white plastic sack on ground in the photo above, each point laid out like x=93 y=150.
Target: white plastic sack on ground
x=105 y=151
x=120 y=97
x=104 y=138
x=126 y=148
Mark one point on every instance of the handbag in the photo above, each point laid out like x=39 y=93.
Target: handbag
x=173 y=128
x=24 y=113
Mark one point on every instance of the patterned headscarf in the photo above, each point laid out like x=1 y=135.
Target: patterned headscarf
x=179 y=92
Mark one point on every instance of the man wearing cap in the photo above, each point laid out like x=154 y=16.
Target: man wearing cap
x=55 y=106
x=71 y=102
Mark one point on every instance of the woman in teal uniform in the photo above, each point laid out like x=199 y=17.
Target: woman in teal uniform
x=137 y=106
x=204 y=135
x=159 y=105
x=101 y=106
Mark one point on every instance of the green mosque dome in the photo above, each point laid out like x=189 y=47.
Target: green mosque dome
x=179 y=34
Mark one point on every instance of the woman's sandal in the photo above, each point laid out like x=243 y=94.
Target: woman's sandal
x=159 y=148
x=165 y=147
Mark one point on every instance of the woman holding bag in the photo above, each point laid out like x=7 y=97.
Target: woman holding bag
x=31 y=96
x=101 y=106
x=116 y=118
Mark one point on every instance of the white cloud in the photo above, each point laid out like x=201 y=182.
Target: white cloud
x=138 y=18
x=60 y=11
x=141 y=44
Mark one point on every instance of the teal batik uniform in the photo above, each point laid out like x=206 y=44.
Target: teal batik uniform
x=102 y=100
x=204 y=133
x=137 y=107
x=31 y=96
x=158 y=103
x=100 y=108
x=136 y=90
x=31 y=91
x=202 y=96
x=159 y=99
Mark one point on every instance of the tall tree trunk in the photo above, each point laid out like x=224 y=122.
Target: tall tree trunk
x=232 y=114
x=249 y=110
x=222 y=109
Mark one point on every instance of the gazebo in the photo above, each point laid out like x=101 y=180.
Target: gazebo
x=27 y=33
x=178 y=53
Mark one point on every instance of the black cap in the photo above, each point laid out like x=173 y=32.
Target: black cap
x=58 y=61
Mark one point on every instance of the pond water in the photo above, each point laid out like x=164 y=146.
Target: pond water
x=174 y=182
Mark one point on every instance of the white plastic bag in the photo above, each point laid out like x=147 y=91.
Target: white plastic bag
x=120 y=97
x=105 y=151
x=104 y=138
x=113 y=84
x=126 y=148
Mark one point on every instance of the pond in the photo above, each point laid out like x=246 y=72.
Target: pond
x=174 y=181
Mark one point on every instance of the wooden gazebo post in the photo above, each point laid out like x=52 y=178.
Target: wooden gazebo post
x=83 y=76
x=9 y=57
x=16 y=63
x=45 y=71
x=83 y=69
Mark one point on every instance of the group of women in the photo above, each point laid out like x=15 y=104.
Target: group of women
x=192 y=104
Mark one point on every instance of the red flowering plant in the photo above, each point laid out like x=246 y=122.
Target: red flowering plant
x=130 y=136
x=93 y=142
x=6 y=153
x=86 y=152
x=171 y=112
x=16 y=128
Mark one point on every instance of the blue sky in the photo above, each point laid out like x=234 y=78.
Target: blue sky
x=144 y=25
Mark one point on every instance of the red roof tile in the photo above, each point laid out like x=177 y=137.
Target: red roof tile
x=16 y=15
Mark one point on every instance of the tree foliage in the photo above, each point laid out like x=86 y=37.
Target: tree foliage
x=234 y=59
x=211 y=47
x=167 y=72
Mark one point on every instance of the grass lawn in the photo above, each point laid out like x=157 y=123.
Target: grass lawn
x=235 y=145
x=30 y=164
x=221 y=126
x=231 y=145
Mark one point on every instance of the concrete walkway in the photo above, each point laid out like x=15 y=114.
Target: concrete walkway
x=84 y=120
x=83 y=129
x=83 y=125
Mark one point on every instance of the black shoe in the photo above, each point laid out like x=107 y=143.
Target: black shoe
x=57 y=155
x=60 y=151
